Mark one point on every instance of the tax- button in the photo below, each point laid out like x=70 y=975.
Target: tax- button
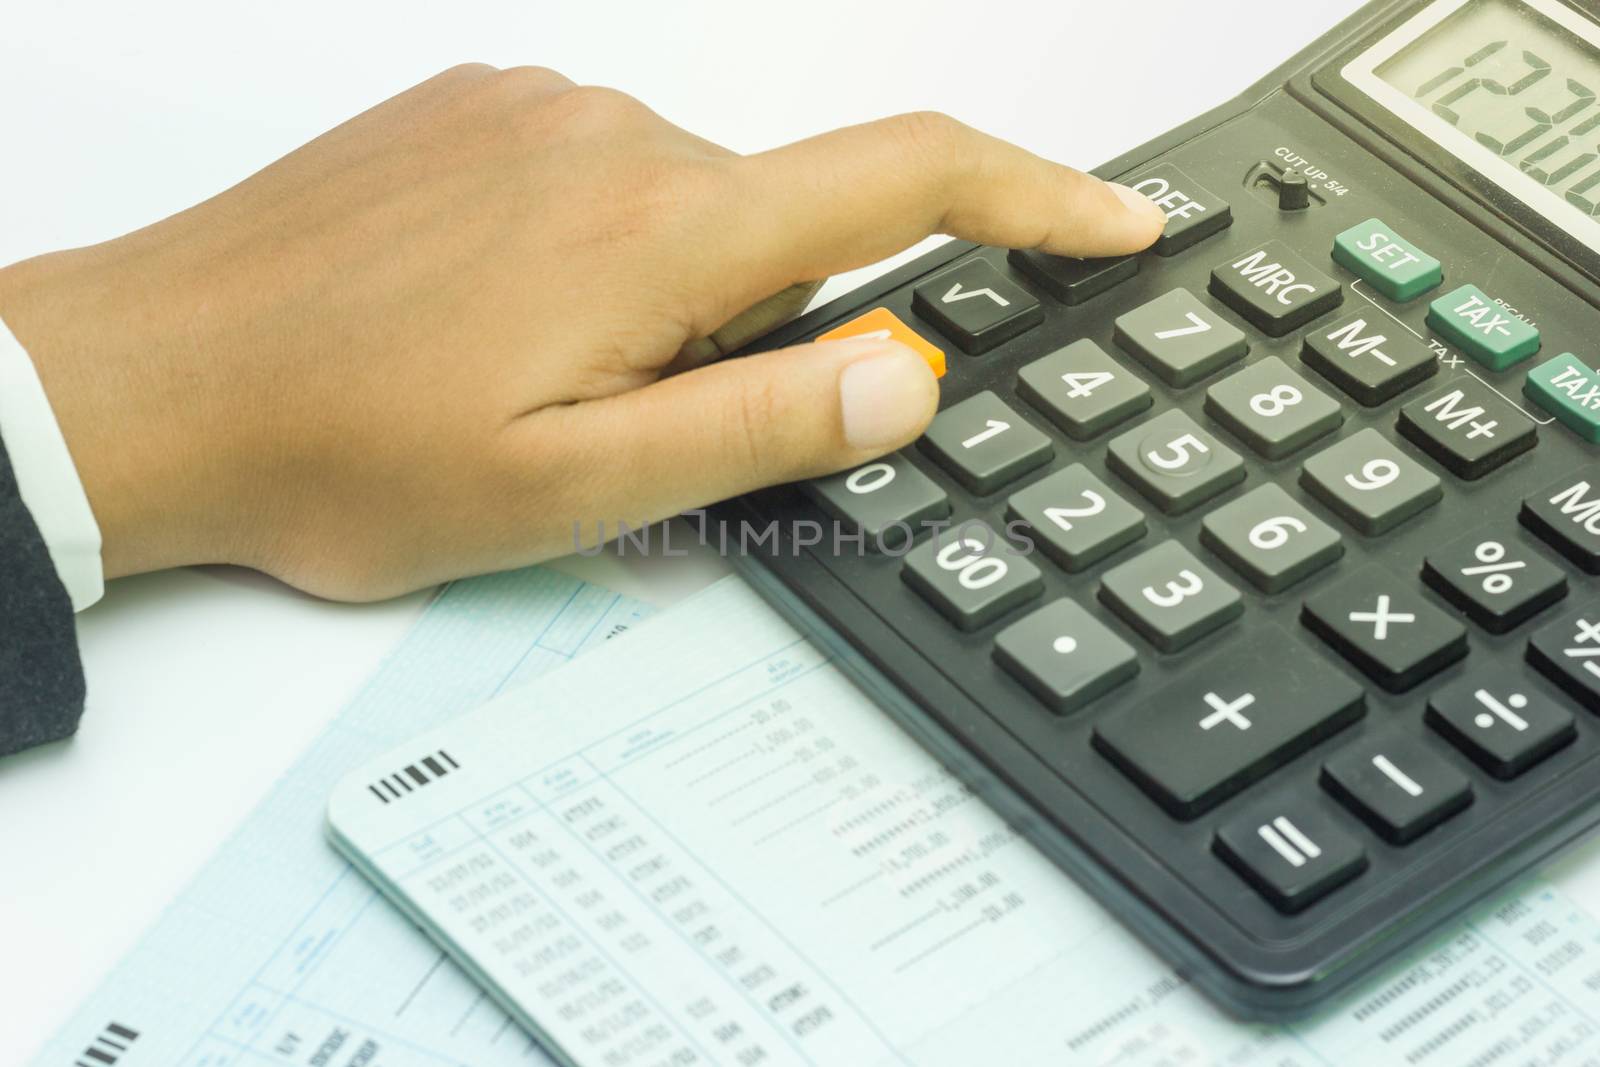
x=1569 y=389
x=1228 y=724
x=1275 y=290
x=976 y=305
x=1388 y=262
x=1484 y=330
x=1193 y=212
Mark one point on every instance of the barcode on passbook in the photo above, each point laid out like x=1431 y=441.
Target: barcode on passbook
x=108 y=1047
x=413 y=776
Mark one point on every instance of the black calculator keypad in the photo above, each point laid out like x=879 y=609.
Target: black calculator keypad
x=1398 y=786
x=1489 y=575
x=1566 y=514
x=1075 y=518
x=1169 y=596
x=1503 y=726
x=1069 y=280
x=1568 y=652
x=1229 y=724
x=1370 y=358
x=1292 y=851
x=887 y=500
x=1174 y=463
x=1274 y=289
x=1468 y=427
x=1384 y=625
x=1180 y=339
x=976 y=306
x=984 y=444
x=1065 y=655
x=1267 y=536
x=1272 y=409
x=1082 y=390
x=1370 y=483
x=971 y=575
x=1193 y=211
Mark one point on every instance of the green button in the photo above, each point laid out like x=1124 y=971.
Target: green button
x=1569 y=389
x=1393 y=265
x=1484 y=330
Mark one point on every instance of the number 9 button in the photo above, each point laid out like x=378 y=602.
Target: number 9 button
x=1370 y=483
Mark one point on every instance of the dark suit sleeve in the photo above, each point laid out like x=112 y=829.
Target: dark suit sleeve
x=41 y=677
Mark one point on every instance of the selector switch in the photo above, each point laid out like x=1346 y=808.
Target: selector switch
x=1294 y=192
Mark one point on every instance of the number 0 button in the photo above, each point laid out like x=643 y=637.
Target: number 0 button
x=1170 y=597
x=985 y=444
x=887 y=499
x=1175 y=463
x=972 y=575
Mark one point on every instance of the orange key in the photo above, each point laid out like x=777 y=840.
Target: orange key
x=881 y=322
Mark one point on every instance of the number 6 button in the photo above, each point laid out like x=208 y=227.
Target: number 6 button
x=1270 y=539
x=1175 y=463
x=1370 y=483
x=971 y=574
x=1170 y=597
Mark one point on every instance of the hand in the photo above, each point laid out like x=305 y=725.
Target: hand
x=432 y=340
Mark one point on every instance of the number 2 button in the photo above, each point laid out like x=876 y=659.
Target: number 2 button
x=1175 y=463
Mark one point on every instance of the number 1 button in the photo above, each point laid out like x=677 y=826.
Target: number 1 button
x=976 y=305
x=984 y=443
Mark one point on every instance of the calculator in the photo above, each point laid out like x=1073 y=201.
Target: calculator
x=1253 y=577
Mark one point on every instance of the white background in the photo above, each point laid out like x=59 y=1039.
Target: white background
x=203 y=685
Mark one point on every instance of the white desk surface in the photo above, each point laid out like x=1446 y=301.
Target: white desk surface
x=204 y=684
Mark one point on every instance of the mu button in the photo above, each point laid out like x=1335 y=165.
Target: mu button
x=1275 y=290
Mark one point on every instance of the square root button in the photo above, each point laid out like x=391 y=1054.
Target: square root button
x=1275 y=290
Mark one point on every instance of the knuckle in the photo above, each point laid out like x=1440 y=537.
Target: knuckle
x=591 y=106
x=931 y=136
x=466 y=72
x=750 y=420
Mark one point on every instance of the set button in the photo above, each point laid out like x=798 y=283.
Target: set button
x=1483 y=329
x=1388 y=262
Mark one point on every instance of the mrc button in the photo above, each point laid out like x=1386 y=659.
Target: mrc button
x=1483 y=329
x=1275 y=290
x=1390 y=264
x=1193 y=212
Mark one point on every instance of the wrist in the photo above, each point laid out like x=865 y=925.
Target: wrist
x=91 y=327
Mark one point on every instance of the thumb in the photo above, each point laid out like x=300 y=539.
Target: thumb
x=743 y=424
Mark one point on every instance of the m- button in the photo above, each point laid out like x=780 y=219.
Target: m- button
x=1193 y=213
x=1275 y=290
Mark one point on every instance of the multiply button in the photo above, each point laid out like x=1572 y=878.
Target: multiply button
x=1569 y=389
x=1193 y=212
x=1367 y=362
x=1385 y=627
x=976 y=305
x=1275 y=290
x=1198 y=742
x=1481 y=328
x=1392 y=265
x=1468 y=427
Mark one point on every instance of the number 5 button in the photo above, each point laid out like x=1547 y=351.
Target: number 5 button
x=1175 y=463
x=984 y=443
x=1370 y=483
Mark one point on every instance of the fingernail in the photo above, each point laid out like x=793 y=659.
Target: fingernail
x=885 y=398
x=1137 y=202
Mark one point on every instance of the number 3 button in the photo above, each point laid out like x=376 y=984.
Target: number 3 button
x=1170 y=597
x=1175 y=463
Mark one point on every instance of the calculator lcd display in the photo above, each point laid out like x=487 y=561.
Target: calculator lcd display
x=1509 y=87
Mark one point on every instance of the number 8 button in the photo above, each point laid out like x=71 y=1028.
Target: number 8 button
x=1272 y=409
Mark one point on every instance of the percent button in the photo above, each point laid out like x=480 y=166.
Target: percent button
x=1495 y=577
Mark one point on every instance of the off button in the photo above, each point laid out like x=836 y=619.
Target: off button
x=1388 y=262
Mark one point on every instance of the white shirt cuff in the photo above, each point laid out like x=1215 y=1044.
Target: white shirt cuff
x=47 y=479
